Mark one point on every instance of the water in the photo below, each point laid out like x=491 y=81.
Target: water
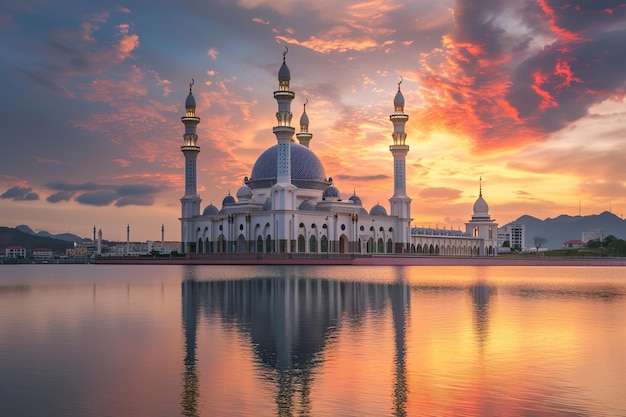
x=116 y=340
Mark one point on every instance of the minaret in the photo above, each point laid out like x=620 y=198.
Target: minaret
x=283 y=131
x=99 y=247
x=400 y=202
x=304 y=137
x=191 y=200
x=128 y=239
x=283 y=192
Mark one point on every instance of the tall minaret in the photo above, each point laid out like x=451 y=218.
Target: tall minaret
x=283 y=192
x=400 y=202
x=283 y=131
x=304 y=137
x=191 y=200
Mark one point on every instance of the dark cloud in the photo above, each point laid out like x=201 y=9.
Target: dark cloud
x=97 y=198
x=104 y=194
x=18 y=193
x=60 y=196
x=363 y=178
x=503 y=86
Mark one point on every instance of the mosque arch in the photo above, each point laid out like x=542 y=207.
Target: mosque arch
x=259 y=244
x=381 y=245
x=389 y=246
x=343 y=244
x=268 y=243
x=200 y=248
x=241 y=244
x=301 y=244
x=437 y=250
x=207 y=245
x=370 y=245
x=221 y=244
x=324 y=244
x=313 y=244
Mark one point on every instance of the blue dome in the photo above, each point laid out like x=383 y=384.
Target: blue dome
x=283 y=73
x=355 y=199
x=190 y=102
x=267 y=205
x=244 y=193
x=398 y=100
x=378 y=210
x=307 y=205
x=331 y=191
x=228 y=200
x=210 y=210
x=307 y=170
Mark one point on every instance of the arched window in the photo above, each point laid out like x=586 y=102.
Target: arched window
x=324 y=244
x=370 y=245
x=389 y=246
x=381 y=245
x=268 y=244
x=200 y=246
x=259 y=244
x=313 y=244
x=301 y=243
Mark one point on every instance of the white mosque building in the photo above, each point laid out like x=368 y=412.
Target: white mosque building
x=288 y=205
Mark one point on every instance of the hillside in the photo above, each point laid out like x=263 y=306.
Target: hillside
x=564 y=227
x=69 y=237
x=15 y=237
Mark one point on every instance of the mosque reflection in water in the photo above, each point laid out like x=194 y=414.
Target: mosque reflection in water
x=289 y=321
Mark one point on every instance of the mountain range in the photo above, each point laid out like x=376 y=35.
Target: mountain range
x=563 y=228
x=69 y=237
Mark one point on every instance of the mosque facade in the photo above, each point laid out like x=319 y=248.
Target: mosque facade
x=289 y=205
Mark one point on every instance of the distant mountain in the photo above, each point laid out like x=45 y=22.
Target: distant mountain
x=564 y=228
x=16 y=237
x=68 y=237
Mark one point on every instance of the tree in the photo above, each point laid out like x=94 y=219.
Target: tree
x=539 y=241
x=506 y=244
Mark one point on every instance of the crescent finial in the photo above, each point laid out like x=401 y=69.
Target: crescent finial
x=306 y=101
x=190 y=84
x=285 y=53
x=401 y=79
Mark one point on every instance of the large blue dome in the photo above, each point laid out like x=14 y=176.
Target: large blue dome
x=307 y=170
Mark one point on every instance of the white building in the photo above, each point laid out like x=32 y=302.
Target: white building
x=15 y=252
x=514 y=233
x=289 y=204
x=595 y=234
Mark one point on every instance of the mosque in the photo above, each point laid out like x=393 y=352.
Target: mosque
x=288 y=204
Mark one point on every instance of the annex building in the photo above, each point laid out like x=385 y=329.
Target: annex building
x=289 y=205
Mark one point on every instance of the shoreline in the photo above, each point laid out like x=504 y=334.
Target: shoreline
x=372 y=260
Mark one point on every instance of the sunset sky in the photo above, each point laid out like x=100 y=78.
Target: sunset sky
x=527 y=94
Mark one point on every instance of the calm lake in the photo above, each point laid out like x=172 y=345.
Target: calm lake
x=127 y=340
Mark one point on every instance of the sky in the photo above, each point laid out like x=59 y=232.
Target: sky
x=526 y=94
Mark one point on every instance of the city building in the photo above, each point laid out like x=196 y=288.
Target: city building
x=514 y=234
x=289 y=204
x=42 y=253
x=15 y=252
x=595 y=234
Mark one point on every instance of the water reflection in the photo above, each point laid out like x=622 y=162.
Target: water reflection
x=290 y=321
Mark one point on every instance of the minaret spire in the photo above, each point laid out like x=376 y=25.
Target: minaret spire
x=191 y=200
x=400 y=202
x=304 y=137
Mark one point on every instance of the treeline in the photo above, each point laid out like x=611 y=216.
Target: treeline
x=609 y=246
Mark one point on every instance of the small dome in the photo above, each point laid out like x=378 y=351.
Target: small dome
x=267 y=205
x=355 y=199
x=481 y=208
x=331 y=191
x=244 y=193
x=307 y=205
x=228 y=200
x=210 y=210
x=398 y=100
x=378 y=210
x=304 y=119
x=362 y=211
x=190 y=102
x=283 y=72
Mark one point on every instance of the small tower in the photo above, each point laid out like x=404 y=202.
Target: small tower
x=304 y=137
x=482 y=226
x=99 y=246
x=400 y=202
x=191 y=200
